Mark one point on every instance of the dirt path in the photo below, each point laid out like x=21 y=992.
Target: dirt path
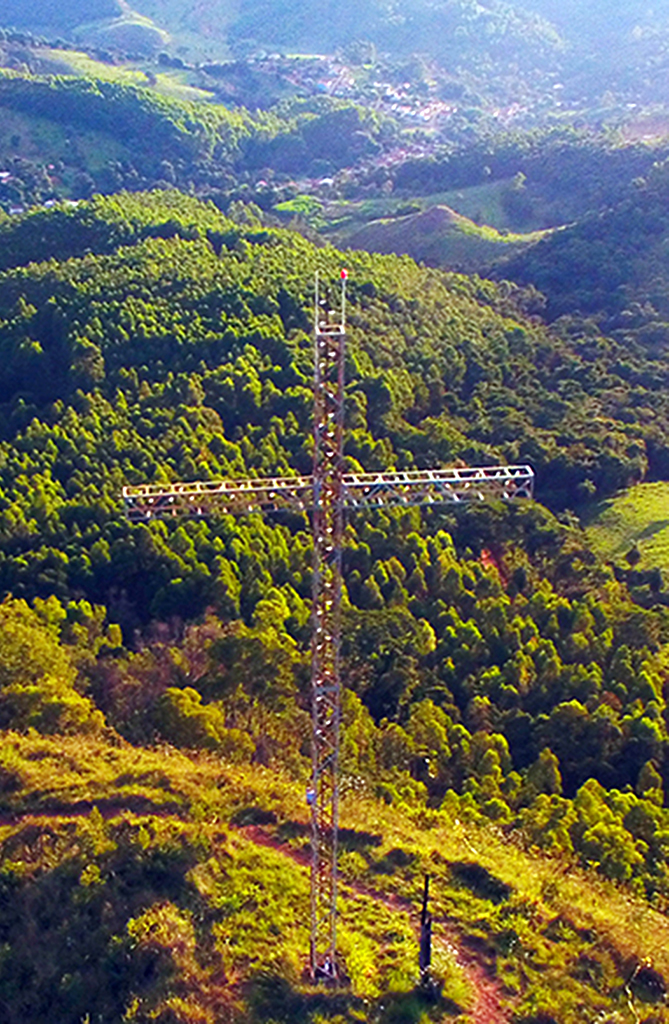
x=488 y=992
x=487 y=1007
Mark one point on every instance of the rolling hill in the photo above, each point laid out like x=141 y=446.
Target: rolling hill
x=102 y=23
x=438 y=237
x=611 y=263
x=588 y=53
x=297 y=26
x=505 y=705
x=58 y=16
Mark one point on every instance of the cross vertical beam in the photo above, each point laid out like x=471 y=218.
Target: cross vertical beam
x=328 y=528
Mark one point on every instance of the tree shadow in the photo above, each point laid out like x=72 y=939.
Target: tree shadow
x=395 y=859
x=253 y=816
x=275 y=997
x=480 y=881
x=653 y=528
x=349 y=838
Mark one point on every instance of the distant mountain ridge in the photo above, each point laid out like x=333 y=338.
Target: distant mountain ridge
x=452 y=27
x=59 y=15
x=589 y=48
x=579 y=19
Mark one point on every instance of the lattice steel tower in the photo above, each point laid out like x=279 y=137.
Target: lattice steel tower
x=328 y=529
x=329 y=491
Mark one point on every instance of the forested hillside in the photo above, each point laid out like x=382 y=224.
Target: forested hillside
x=496 y=673
x=59 y=16
x=451 y=29
x=71 y=136
x=583 y=21
x=612 y=263
x=591 y=52
x=164 y=302
x=553 y=175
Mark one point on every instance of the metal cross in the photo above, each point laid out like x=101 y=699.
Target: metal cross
x=328 y=492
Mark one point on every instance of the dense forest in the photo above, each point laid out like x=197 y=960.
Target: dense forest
x=452 y=30
x=619 y=255
x=157 y=140
x=494 y=669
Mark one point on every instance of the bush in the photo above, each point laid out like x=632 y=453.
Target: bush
x=183 y=720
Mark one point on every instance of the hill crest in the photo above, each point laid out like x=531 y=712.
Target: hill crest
x=439 y=236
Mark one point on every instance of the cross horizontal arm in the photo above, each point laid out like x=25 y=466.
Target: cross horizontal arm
x=438 y=486
x=360 y=490
x=204 y=497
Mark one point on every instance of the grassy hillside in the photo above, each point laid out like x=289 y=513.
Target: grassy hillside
x=635 y=523
x=172 y=83
x=130 y=33
x=439 y=237
x=175 y=887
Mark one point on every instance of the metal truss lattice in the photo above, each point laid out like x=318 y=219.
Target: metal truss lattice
x=205 y=498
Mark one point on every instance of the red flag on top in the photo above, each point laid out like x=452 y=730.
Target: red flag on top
x=344 y=275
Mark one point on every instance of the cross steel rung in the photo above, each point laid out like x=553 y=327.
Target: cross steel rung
x=359 y=490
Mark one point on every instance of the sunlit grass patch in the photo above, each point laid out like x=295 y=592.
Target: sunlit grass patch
x=174 y=85
x=79 y=63
x=637 y=518
x=224 y=844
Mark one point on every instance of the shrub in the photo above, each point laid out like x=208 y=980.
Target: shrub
x=183 y=720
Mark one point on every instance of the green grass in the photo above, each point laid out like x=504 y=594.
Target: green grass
x=174 y=84
x=637 y=518
x=559 y=939
x=439 y=236
x=480 y=203
x=198 y=31
x=74 y=62
x=473 y=241
x=130 y=19
x=101 y=808
x=37 y=138
x=305 y=206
